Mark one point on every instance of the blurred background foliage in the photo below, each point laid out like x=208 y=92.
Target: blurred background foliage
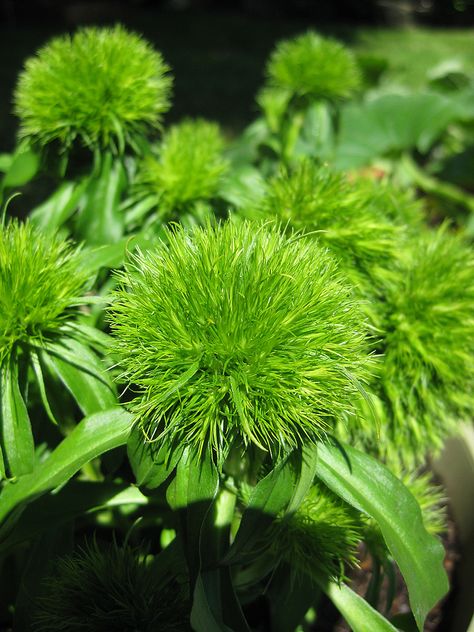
x=203 y=39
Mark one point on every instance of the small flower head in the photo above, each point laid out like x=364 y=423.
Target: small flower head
x=321 y=537
x=188 y=168
x=101 y=86
x=40 y=283
x=315 y=67
x=98 y=589
x=349 y=218
x=236 y=334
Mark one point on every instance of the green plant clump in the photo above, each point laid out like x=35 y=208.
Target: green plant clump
x=244 y=336
x=188 y=168
x=315 y=67
x=103 y=87
x=98 y=589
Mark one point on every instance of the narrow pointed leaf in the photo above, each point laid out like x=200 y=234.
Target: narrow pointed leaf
x=16 y=436
x=368 y=486
x=92 y=437
x=358 y=613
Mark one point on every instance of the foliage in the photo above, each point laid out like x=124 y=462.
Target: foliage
x=244 y=337
x=103 y=87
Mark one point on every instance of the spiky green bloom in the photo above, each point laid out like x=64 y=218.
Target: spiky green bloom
x=111 y=588
x=321 y=537
x=430 y=498
x=236 y=334
x=313 y=66
x=102 y=86
x=40 y=285
x=425 y=376
x=347 y=217
x=188 y=168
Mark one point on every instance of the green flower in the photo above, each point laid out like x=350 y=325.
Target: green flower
x=350 y=218
x=321 y=537
x=111 y=588
x=41 y=290
x=104 y=87
x=235 y=334
x=313 y=66
x=427 y=375
x=41 y=285
x=188 y=168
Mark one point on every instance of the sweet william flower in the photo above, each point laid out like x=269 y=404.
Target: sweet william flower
x=313 y=66
x=235 y=335
x=101 y=86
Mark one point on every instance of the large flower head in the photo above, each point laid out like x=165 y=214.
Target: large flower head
x=313 y=66
x=97 y=589
x=103 y=86
x=236 y=334
x=188 y=168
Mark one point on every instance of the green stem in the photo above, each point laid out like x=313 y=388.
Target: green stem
x=433 y=186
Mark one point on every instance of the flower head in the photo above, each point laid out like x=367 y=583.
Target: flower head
x=235 y=333
x=313 y=66
x=321 y=537
x=40 y=284
x=102 y=86
x=188 y=168
x=111 y=588
x=427 y=375
x=350 y=218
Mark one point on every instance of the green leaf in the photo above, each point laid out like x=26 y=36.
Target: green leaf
x=79 y=370
x=75 y=499
x=291 y=595
x=59 y=207
x=269 y=497
x=192 y=493
x=368 y=486
x=23 y=168
x=356 y=611
x=151 y=462
x=204 y=617
x=100 y=220
x=5 y=162
x=306 y=464
x=92 y=437
x=16 y=436
x=392 y=123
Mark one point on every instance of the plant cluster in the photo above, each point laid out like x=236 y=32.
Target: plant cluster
x=249 y=349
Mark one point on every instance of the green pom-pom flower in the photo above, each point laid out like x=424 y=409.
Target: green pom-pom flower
x=111 y=588
x=348 y=217
x=187 y=170
x=320 y=538
x=427 y=376
x=42 y=283
x=315 y=67
x=103 y=87
x=236 y=334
